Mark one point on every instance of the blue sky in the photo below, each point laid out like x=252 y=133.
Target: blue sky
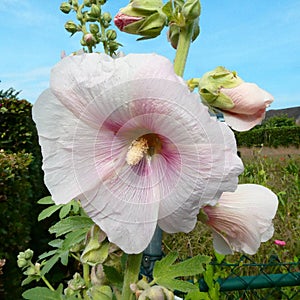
x=258 y=39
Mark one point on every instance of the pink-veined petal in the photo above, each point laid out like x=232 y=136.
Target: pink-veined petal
x=195 y=165
x=243 y=219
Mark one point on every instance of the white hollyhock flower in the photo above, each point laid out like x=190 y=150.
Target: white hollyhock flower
x=128 y=139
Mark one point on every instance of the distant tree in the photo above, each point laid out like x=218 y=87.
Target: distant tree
x=278 y=121
x=11 y=93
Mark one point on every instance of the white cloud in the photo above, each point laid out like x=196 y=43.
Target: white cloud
x=31 y=83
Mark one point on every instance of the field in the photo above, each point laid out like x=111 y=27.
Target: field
x=277 y=169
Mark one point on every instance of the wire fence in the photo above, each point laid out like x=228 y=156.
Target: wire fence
x=248 y=280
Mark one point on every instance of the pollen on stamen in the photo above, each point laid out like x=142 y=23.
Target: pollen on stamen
x=136 y=151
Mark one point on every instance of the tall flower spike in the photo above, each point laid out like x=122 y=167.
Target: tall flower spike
x=243 y=219
x=127 y=138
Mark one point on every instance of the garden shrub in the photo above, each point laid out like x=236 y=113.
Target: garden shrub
x=21 y=186
x=270 y=137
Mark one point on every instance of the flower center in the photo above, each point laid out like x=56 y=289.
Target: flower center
x=146 y=145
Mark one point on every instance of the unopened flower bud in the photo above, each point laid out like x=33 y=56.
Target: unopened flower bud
x=22 y=263
x=77 y=283
x=97 y=249
x=142 y=17
x=111 y=34
x=97 y=275
x=95 y=11
x=113 y=46
x=30 y=271
x=94 y=28
x=191 y=10
x=71 y=27
x=89 y=39
x=210 y=87
x=106 y=17
x=65 y=7
x=28 y=254
x=156 y=293
x=173 y=35
x=243 y=104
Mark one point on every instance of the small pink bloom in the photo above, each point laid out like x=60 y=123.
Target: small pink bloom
x=243 y=219
x=128 y=139
x=121 y=20
x=250 y=103
x=280 y=243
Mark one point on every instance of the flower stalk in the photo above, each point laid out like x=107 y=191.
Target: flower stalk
x=185 y=38
x=131 y=274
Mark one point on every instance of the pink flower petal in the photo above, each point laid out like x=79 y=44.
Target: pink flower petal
x=243 y=219
x=250 y=103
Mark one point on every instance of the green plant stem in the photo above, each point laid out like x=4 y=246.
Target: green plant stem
x=86 y=274
x=48 y=283
x=132 y=270
x=184 y=42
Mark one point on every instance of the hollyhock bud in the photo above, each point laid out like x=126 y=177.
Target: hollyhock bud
x=191 y=10
x=142 y=17
x=89 y=40
x=65 y=7
x=94 y=28
x=111 y=34
x=243 y=104
x=156 y=293
x=97 y=249
x=95 y=11
x=71 y=27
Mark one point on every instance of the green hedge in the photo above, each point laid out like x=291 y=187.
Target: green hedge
x=15 y=194
x=270 y=137
x=21 y=185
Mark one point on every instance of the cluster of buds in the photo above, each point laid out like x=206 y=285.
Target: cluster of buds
x=143 y=291
x=24 y=262
x=90 y=23
x=75 y=285
x=148 y=18
x=181 y=15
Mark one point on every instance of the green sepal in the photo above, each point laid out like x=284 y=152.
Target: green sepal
x=103 y=292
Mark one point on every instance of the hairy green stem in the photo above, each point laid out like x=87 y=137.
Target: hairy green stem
x=48 y=283
x=131 y=275
x=184 y=42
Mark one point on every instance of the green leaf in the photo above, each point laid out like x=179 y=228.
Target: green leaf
x=30 y=279
x=70 y=224
x=46 y=200
x=65 y=209
x=197 y=295
x=165 y=272
x=74 y=238
x=50 y=263
x=113 y=275
x=47 y=212
x=41 y=293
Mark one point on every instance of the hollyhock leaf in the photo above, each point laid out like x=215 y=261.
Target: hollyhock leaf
x=70 y=224
x=89 y=121
x=42 y=293
x=46 y=200
x=165 y=271
x=49 y=211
